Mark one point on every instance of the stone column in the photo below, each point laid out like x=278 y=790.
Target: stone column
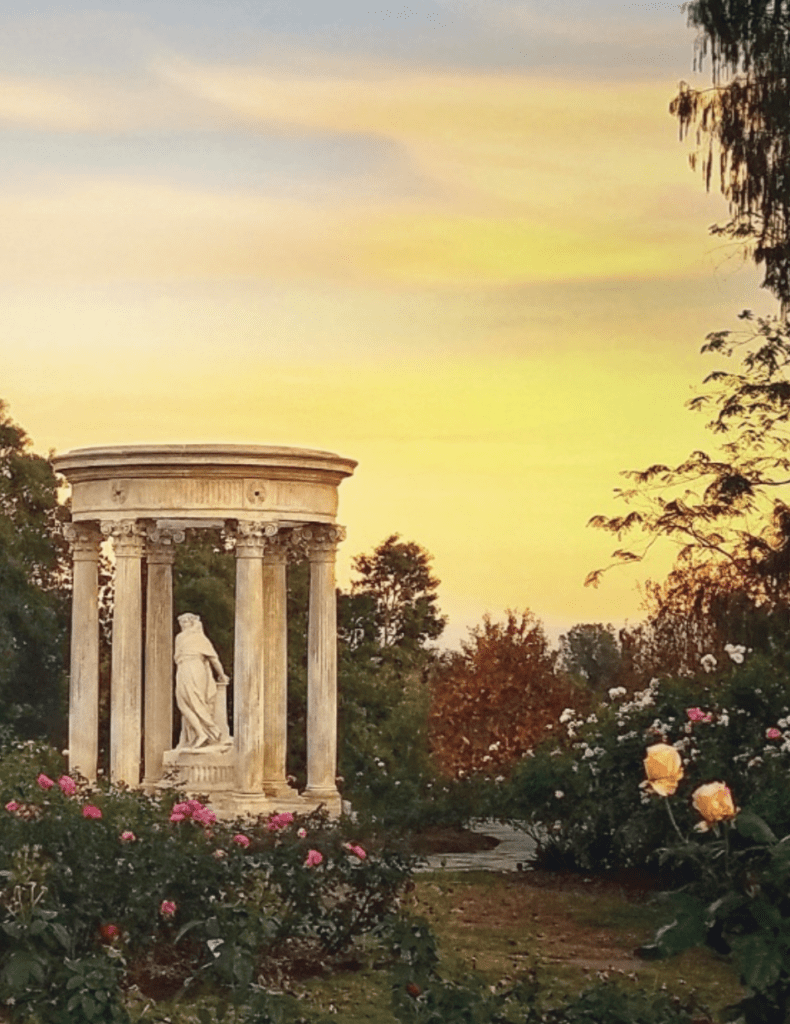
x=275 y=631
x=127 y=654
x=84 y=539
x=158 y=731
x=322 y=544
x=248 y=660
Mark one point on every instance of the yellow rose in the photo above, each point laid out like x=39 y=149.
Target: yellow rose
x=663 y=769
x=714 y=803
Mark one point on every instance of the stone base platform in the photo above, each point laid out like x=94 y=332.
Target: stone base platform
x=210 y=773
x=250 y=805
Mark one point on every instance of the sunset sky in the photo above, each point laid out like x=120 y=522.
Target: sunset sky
x=456 y=241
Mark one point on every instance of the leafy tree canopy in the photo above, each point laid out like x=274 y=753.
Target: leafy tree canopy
x=34 y=583
x=590 y=650
x=494 y=700
x=742 y=124
x=396 y=600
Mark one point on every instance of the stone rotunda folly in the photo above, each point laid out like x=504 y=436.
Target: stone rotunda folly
x=276 y=505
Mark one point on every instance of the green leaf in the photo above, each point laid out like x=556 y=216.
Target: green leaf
x=760 y=964
x=89 y=1007
x=62 y=934
x=780 y=855
x=22 y=969
x=766 y=914
x=752 y=826
x=186 y=928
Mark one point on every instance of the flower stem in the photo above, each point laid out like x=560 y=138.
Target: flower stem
x=672 y=819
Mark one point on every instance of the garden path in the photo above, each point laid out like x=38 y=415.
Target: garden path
x=514 y=852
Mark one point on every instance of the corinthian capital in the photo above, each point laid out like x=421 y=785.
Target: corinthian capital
x=251 y=536
x=127 y=535
x=84 y=539
x=319 y=541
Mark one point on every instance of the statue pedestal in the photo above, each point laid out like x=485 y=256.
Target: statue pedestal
x=210 y=772
x=206 y=770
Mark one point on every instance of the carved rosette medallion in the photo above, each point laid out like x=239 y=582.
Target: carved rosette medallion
x=319 y=542
x=119 y=491
x=84 y=540
x=255 y=492
x=161 y=542
x=128 y=537
x=252 y=537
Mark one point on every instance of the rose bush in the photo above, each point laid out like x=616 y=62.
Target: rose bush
x=112 y=879
x=577 y=794
x=736 y=901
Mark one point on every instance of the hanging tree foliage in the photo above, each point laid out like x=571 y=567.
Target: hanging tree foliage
x=727 y=510
x=742 y=124
x=730 y=509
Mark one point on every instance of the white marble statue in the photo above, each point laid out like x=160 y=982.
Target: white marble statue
x=201 y=688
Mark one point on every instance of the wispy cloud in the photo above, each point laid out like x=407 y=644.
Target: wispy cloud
x=516 y=178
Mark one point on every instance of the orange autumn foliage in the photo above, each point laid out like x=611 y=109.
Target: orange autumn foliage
x=497 y=698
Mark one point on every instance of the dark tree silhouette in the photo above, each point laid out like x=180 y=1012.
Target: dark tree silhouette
x=742 y=125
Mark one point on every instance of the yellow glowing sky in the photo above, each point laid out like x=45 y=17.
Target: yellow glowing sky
x=462 y=246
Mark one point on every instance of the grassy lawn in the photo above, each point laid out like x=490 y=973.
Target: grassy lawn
x=566 y=929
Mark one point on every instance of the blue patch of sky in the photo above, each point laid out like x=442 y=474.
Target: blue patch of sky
x=610 y=36
x=308 y=167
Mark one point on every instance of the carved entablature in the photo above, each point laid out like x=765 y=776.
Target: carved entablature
x=127 y=535
x=203 y=482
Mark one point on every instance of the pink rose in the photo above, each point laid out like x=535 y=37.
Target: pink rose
x=356 y=850
x=128 y=837
x=91 y=811
x=167 y=908
x=773 y=733
x=313 y=859
x=279 y=821
x=177 y=817
x=12 y=806
x=109 y=932
x=68 y=785
x=241 y=840
x=45 y=781
x=695 y=714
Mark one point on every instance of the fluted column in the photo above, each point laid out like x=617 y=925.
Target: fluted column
x=322 y=544
x=158 y=714
x=84 y=539
x=248 y=657
x=127 y=653
x=275 y=631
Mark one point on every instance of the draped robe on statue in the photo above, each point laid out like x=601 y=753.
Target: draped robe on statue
x=196 y=688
